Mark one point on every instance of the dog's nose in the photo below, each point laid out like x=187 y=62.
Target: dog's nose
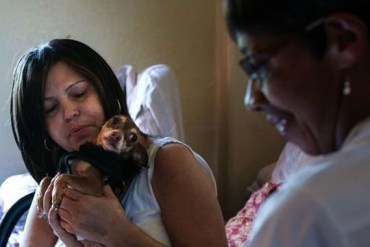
x=116 y=135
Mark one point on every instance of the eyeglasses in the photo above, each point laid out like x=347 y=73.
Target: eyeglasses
x=258 y=70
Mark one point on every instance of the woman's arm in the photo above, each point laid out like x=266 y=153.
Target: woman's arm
x=100 y=219
x=189 y=207
x=37 y=231
x=188 y=202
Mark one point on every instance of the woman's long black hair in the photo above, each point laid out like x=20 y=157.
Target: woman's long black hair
x=39 y=152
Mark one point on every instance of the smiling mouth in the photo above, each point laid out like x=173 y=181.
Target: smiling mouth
x=280 y=123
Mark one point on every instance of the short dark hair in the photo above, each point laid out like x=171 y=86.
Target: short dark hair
x=27 y=106
x=255 y=17
x=286 y=16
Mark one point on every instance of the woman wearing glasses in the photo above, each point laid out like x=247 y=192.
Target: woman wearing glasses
x=308 y=66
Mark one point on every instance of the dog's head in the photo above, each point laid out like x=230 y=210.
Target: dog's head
x=121 y=135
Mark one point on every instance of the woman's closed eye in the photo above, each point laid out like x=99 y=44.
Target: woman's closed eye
x=78 y=95
x=49 y=108
x=79 y=90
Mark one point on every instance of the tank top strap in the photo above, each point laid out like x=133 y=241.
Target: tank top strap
x=153 y=149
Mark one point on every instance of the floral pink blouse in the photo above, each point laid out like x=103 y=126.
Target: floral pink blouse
x=238 y=227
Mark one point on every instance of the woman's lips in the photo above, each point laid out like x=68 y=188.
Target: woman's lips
x=76 y=131
x=279 y=122
x=281 y=126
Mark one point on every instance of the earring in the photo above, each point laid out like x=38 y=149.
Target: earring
x=119 y=106
x=46 y=145
x=346 y=87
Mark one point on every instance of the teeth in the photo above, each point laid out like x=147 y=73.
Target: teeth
x=281 y=125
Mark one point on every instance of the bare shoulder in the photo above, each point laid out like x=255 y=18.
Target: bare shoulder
x=176 y=159
x=187 y=199
x=174 y=152
x=176 y=169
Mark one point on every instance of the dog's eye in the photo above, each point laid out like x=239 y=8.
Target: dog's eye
x=133 y=137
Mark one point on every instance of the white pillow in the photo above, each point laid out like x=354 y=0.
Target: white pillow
x=13 y=188
x=153 y=100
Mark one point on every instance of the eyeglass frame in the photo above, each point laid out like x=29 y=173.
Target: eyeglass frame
x=260 y=73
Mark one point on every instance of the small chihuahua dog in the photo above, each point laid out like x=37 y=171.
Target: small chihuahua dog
x=119 y=135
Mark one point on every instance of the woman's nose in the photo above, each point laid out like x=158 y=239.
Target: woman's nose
x=70 y=112
x=254 y=98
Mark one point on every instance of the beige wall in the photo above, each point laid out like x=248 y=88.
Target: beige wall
x=188 y=35
x=138 y=32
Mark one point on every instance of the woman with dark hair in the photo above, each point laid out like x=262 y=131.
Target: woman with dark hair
x=308 y=66
x=62 y=94
x=27 y=104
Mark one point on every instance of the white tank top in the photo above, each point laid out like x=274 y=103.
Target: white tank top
x=140 y=203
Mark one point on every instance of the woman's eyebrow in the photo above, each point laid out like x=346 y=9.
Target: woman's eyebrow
x=75 y=83
x=68 y=87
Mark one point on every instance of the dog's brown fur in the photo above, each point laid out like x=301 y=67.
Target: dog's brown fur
x=119 y=134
